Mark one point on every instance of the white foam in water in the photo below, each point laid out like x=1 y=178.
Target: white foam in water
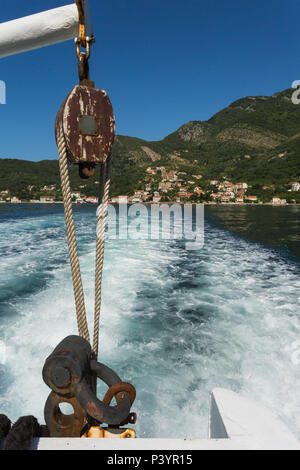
x=174 y=323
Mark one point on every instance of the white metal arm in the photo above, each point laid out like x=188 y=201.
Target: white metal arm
x=40 y=30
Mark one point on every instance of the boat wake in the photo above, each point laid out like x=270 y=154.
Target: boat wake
x=176 y=324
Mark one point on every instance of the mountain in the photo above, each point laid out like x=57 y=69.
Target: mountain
x=255 y=139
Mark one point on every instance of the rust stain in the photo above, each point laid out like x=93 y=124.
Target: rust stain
x=87 y=101
x=94 y=411
x=119 y=391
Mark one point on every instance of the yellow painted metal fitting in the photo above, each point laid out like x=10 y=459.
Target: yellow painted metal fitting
x=107 y=433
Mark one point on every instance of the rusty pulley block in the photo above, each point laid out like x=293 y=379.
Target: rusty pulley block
x=71 y=372
x=87 y=120
x=88 y=124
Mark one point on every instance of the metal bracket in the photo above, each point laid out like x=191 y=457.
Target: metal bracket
x=85 y=24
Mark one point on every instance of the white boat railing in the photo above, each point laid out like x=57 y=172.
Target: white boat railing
x=235 y=423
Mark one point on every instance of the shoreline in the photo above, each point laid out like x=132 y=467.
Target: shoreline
x=223 y=204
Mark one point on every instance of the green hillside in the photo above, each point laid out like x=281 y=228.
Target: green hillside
x=255 y=139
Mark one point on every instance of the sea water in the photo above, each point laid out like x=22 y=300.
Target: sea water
x=174 y=323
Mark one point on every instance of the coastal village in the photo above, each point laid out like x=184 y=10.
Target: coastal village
x=166 y=186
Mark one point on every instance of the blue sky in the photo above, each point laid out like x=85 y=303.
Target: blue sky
x=163 y=63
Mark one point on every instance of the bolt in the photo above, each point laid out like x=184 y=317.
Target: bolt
x=61 y=377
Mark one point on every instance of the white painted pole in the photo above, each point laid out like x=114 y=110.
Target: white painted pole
x=40 y=30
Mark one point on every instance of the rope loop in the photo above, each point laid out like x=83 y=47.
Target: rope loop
x=71 y=236
x=102 y=214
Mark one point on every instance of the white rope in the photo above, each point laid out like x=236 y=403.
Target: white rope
x=100 y=245
x=71 y=236
x=72 y=242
